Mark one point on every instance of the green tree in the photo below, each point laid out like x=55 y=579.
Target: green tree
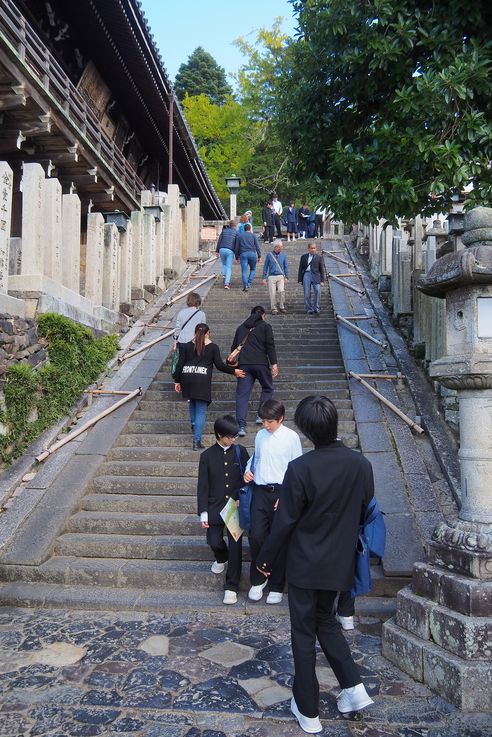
x=388 y=103
x=258 y=80
x=201 y=75
x=225 y=138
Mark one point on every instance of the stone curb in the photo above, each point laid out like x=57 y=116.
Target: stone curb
x=440 y=436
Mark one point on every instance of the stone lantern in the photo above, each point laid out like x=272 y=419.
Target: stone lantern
x=442 y=632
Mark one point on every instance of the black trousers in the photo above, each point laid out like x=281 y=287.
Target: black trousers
x=346 y=604
x=278 y=227
x=312 y=617
x=268 y=233
x=262 y=514
x=232 y=552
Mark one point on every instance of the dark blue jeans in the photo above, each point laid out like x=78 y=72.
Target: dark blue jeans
x=263 y=374
x=198 y=415
x=248 y=258
x=308 y=283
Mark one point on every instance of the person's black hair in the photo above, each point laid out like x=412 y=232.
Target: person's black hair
x=317 y=418
x=200 y=332
x=226 y=427
x=247 y=226
x=272 y=409
x=255 y=316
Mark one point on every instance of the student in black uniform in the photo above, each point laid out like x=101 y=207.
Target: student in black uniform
x=324 y=497
x=193 y=377
x=219 y=478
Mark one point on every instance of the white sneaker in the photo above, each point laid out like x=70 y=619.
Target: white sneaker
x=256 y=592
x=353 y=699
x=311 y=725
x=230 y=597
x=258 y=420
x=217 y=567
x=346 y=622
x=274 y=597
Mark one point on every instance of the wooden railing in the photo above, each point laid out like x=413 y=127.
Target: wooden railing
x=33 y=55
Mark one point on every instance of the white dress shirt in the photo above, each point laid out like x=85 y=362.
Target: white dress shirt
x=277 y=207
x=273 y=452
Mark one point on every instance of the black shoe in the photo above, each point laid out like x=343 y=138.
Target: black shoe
x=245 y=289
x=242 y=432
x=197 y=445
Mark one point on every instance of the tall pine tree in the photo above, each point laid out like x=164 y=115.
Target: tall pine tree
x=201 y=75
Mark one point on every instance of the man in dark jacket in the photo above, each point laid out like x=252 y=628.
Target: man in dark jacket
x=312 y=275
x=324 y=497
x=258 y=358
x=226 y=247
x=268 y=216
x=248 y=253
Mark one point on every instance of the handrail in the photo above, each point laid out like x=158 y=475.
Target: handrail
x=33 y=54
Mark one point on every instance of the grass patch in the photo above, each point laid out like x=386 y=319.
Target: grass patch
x=37 y=398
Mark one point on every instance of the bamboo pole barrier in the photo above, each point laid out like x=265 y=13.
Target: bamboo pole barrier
x=188 y=291
x=145 y=347
x=46 y=453
x=387 y=402
x=360 y=331
x=347 y=276
x=106 y=391
x=359 y=317
x=395 y=377
x=208 y=261
x=345 y=284
x=337 y=258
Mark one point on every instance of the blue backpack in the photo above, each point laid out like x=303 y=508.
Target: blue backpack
x=370 y=541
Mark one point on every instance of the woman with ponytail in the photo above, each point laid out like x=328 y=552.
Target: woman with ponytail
x=193 y=377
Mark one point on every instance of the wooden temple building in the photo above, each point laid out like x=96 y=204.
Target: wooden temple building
x=89 y=127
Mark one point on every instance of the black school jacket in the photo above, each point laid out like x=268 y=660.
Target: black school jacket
x=323 y=499
x=259 y=348
x=219 y=477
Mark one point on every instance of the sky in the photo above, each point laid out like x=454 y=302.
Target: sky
x=213 y=24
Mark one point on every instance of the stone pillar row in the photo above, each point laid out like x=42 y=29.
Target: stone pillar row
x=125 y=257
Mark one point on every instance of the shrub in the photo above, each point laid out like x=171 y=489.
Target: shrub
x=35 y=399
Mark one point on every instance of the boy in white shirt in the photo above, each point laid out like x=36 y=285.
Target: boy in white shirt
x=275 y=446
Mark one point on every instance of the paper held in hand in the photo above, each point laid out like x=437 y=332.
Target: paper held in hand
x=230 y=516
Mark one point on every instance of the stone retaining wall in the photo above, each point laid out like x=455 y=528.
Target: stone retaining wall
x=19 y=341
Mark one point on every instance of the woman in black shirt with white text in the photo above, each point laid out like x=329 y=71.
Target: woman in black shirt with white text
x=193 y=377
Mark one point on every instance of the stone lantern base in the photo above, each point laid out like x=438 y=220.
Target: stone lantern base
x=442 y=632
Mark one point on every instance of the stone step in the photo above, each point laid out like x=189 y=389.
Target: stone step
x=106 y=545
x=136 y=425
x=151 y=468
x=59 y=596
x=135 y=523
x=340 y=398
x=300 y=382
x=144 y=575
x=179 y=410
x=142 y=503
x=336 y=391
x=173 y=485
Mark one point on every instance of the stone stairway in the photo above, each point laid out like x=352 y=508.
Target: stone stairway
x=135 y=541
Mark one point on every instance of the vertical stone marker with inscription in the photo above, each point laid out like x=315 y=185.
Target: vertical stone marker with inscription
x=137 y=252
x=110 y=286
x=193 y=227
x=94 y=257
x=71 y=213
x=33 y=214
x=126 y=248
x=52 y=236
x=7 y=304
x=149 y=272
x=6 y=183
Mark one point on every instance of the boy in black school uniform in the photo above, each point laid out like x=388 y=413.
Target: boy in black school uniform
x=220 y=475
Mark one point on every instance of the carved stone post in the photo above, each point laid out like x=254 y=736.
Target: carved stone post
x=442 y=632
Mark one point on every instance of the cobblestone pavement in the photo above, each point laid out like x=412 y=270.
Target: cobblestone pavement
x=77 y=674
